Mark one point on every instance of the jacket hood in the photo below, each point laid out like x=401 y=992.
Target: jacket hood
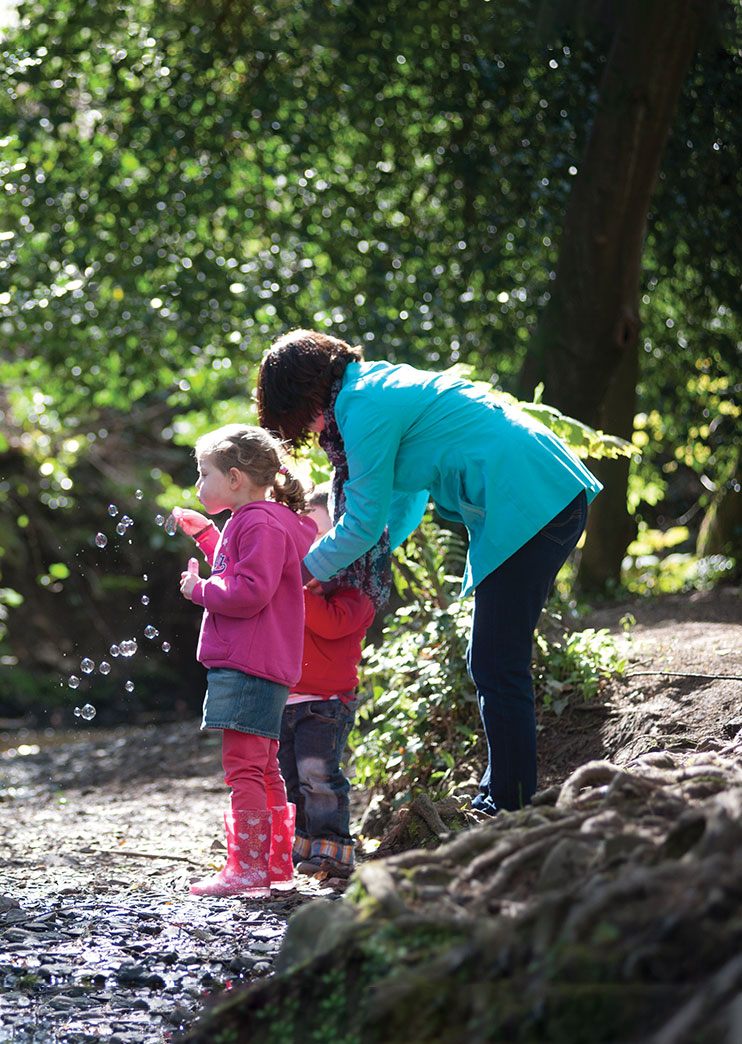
x=300 y=529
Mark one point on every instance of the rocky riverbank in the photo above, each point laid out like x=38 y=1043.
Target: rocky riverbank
x=99 y=938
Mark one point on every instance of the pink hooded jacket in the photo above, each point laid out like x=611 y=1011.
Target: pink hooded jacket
x=254 y=601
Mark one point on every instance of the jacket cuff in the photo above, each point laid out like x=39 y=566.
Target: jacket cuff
x=197 y=594
x=318 y=565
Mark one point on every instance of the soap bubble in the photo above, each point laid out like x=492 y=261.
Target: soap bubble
x=128 y=647
x=144 y=576
x=129 y=686
x=150 y=631
x=105 y=667
x=87 y=665
x=145 y=599
x=166 y=646
x=113 y=510
x=138 y=494
x=121 y=529
x=114 y=650
x=159 y=520
x=171 y=525
x=127 y=520
x=101 y=539
x=87 y=712
x=74 y=681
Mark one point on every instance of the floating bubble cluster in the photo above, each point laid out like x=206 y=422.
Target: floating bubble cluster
x=128 y=647
x=124 y=524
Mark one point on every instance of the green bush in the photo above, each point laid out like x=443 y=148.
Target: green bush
x=418 y=726
x=418 y=723
x=572 y=663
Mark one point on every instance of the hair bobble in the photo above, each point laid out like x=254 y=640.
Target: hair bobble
x=283 y=470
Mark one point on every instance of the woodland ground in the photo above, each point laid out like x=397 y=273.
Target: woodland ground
x=98 y=822
x=682 y=686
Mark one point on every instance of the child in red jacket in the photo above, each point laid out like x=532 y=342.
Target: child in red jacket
x=319 y=715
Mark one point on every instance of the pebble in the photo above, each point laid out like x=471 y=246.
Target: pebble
x=130 y=971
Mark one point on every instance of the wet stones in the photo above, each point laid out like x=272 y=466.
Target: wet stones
x=77 y=970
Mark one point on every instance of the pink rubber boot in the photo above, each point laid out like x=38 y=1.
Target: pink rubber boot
x=248 y=854
x=282 y=843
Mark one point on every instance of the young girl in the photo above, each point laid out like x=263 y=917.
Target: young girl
x=250 y=641
x=403 y=436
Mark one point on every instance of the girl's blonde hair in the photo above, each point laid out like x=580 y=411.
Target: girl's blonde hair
x=256 y=452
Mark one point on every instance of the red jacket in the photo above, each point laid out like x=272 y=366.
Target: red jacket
x=334 y=629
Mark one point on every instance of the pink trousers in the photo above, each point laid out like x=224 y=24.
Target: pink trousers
x=251 y=770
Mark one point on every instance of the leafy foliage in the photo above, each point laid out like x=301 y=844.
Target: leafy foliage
x=182 y=182
x=584 y=440
x=650 y=573
x=418 y=724
x=575 y=663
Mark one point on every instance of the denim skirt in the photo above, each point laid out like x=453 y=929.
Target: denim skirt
x=243 y=702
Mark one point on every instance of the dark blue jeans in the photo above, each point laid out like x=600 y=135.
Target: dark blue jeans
x=507 y=605
x=313 y=738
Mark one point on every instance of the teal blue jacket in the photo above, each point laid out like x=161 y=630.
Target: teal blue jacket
x=412 y=435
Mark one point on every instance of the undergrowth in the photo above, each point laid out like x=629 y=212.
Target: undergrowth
x=418 y=725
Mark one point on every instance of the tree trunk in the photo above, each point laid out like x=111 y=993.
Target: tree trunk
x=590 y=327
x=610 y=527
x=721 y=529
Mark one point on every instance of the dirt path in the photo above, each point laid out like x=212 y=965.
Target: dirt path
x=682 y=688
x=102 y=832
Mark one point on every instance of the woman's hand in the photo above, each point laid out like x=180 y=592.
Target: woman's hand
x=190 y=521
x=190 y=577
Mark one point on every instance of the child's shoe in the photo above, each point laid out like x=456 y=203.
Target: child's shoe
x=248 y=856
x=334 y=858
x=302 y=848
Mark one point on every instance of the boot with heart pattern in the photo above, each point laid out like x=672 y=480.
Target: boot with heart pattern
x=248 y=855
x=282 y=843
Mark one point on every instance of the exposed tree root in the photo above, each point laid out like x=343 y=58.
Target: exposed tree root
x=609 y=915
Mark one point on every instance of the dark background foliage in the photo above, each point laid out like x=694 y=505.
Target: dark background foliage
x=183 y=182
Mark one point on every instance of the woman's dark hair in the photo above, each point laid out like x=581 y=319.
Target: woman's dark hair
x=295 y=379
